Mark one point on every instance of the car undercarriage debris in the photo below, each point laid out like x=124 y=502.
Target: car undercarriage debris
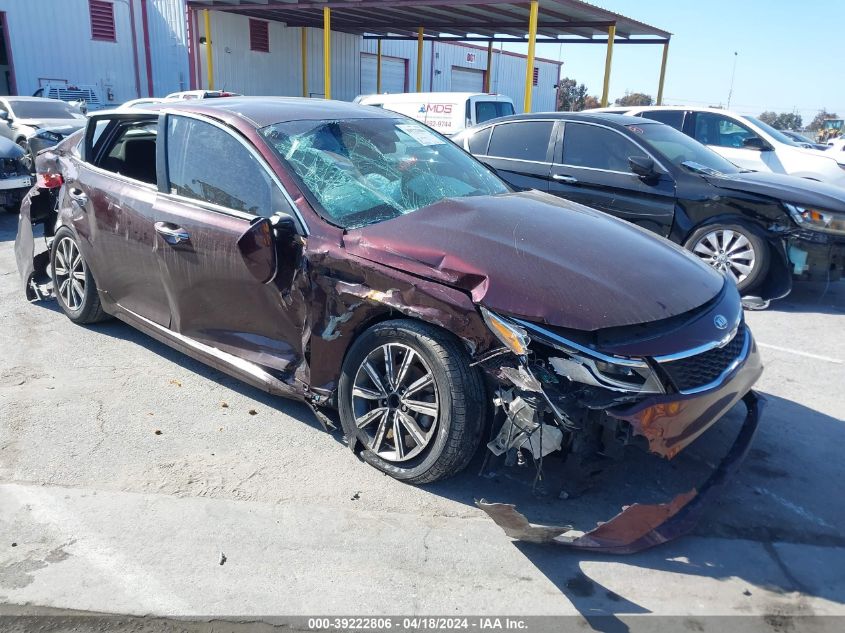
x=638 y=526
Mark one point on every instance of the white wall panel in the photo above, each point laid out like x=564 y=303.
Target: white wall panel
x=51 y=39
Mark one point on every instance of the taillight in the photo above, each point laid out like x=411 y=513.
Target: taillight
x=50 y=181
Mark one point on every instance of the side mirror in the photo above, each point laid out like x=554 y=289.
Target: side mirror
x=755 y=142
x=642 y=166
x=258 y=249
x=4 y=115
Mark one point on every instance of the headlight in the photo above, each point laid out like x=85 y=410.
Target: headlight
x=582 y=364
x=511 y=335
x=817 y=220
x=49 y=136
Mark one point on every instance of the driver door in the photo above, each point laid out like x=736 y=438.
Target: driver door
x=216 y=186
x=725 y=136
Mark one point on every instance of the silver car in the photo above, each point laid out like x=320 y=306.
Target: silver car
x=22 y=117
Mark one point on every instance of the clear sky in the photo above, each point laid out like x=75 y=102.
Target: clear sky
x=790 y=54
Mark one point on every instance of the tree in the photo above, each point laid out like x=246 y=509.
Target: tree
x=635 y=99
x=591 y=102
x=570 y=95
x=788 y=121
x=818 y=122
x=768 y=117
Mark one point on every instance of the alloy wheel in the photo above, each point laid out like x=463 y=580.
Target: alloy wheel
x=727 y=251
x=395 y=402
x=70 y=273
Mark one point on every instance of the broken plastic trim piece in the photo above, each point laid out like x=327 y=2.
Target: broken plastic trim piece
x=638 y=526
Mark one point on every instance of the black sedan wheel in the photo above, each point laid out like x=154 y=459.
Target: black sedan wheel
x=408 y=396
x=734 y=250
x=74 y=285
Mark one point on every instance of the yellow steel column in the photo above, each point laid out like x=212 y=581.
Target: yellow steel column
x=419 y=58
x=489 y=72
x=662 y=73
x=327 y=51
x=611 y=35
x=378 y=68
x=529 y=61
x=209 y=62
x=304 y=52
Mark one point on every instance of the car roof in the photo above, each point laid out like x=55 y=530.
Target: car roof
x=263 y=111
x=590 y=117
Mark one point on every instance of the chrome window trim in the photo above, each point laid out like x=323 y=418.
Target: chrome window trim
x=518 y=160
x=612 y=171
x=741 y=357
x=118 y=176
x=255 y=154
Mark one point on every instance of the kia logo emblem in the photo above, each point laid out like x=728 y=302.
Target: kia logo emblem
x=720 y=322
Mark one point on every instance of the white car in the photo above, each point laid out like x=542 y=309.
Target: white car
x=446 y=112
x=837 y=144
x=201 y=94
x=748 y=142
x=136 y=104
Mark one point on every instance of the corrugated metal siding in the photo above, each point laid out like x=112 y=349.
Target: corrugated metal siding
x=53 y=42
x=168 y=47
x=63 y=49
x=508 y=77
x=278 y=72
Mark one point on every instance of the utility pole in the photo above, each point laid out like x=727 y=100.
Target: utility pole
x=733 y=74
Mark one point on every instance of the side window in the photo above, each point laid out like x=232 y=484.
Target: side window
x=209 y=164
x=478 y=142
x=596 y=147
x=716 y=129
x=525 y=140
x=675 y=118
x=131 y=149
x=486 y=110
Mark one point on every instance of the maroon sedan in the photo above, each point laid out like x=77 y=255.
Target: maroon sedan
x=357 y=260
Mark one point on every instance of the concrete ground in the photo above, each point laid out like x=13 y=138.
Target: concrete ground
x=128 y=471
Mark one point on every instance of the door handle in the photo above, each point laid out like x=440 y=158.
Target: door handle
x=569 y=180
x=172 y=234
x=78 y=196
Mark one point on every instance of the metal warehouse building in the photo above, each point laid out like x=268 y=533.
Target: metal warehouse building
x=137 y=48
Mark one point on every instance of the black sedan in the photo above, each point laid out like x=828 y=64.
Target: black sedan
x=760 y=229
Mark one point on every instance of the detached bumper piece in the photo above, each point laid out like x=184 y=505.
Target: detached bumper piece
x=638 y=527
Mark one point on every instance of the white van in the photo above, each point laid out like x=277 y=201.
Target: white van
x=446 y=112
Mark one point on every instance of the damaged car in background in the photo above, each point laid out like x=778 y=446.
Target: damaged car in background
x=15 y=178
x=356 y=260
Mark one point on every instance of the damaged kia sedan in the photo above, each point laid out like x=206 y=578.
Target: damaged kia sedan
x=357 y=260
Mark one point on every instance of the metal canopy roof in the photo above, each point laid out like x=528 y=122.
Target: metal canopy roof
x=449 y=19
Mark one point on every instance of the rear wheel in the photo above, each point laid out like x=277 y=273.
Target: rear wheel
x=733 y=249
x=408 y=395
x=75 y=288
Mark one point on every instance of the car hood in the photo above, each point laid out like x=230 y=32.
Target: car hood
x=544 y=259
x=52 y=123
x=784 y=188
x=64 y=129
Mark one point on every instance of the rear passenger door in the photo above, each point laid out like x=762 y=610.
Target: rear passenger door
x=520 y=151
x=114 y=188
x=216 y=185
x=591 y=167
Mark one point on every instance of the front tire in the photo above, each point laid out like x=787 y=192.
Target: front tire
x=734 y=250
x=408 y=395
x=74 y=284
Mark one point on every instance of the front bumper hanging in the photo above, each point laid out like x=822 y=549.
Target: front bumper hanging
x=638 y=526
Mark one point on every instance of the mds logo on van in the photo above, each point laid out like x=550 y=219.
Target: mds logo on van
x=436 y=108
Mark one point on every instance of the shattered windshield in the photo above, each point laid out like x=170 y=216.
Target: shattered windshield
x=363 y=171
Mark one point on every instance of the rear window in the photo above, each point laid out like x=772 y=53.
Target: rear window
x=47 y=109
x=523 y=140
x=486 y=110
x=675 y=118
